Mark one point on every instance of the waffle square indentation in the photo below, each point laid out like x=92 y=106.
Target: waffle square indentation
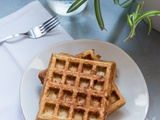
x=113 y=98
x=88 y=57
x=93 y=116
x=57 y=77
x=78 y=114
x=73 y=66
x=84 y=83
x=81 y=98
x=70 y=80
x=63 y=111
x=101 y=70
x=98 y=85
x=53 y=93
x=49 y=109
x=60 y=63
x=95 y=101
x=67 y=95
x=87 y=68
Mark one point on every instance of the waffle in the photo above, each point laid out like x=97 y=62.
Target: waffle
x=75 y=89
x=116 y=100
x=89 y=55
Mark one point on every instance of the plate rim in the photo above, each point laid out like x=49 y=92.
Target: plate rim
x=82 y=40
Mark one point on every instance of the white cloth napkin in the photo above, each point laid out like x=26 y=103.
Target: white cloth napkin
x=15 y=56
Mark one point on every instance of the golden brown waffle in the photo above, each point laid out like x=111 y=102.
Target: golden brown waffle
x=116 y=100
x=89 y=55
x=75 y=88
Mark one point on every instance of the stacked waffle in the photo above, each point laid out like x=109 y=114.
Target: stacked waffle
x=78 y=87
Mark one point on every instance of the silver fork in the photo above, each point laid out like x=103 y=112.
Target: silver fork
x=37 y=31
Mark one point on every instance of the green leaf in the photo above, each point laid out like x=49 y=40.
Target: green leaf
x=150 y=25
x=147 y=14
x=98 y=14
x=129 y=20
x=125 y=4
x=138 y=9
x=136 y=17
x=75 y=5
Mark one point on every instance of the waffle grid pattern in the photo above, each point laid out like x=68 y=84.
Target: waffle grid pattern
x=76 y=89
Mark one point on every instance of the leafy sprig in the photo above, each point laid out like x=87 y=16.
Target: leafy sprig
x=99 y=18
x=76 y=5
x=136 y=17
x=98 y=14
x=133 y=19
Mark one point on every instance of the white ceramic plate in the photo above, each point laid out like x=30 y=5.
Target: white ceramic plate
x=130 y=80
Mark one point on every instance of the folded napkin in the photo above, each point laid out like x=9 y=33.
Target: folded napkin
x=15 y=56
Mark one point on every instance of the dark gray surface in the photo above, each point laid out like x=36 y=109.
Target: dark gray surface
x=145 y=50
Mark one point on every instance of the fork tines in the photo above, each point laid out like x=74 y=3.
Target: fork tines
x=49 y=24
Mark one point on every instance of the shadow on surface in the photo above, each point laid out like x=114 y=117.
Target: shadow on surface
x=118 y=27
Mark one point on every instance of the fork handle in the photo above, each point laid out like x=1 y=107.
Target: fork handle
x=12 y=36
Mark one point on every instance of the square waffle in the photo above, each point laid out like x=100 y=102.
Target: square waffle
x=76 y=89
x=89 y=55
x=116 y=100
